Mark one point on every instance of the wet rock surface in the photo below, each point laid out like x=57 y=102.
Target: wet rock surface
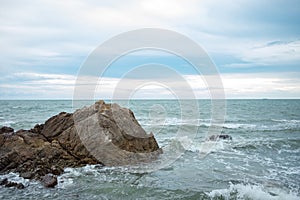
x=100 y=134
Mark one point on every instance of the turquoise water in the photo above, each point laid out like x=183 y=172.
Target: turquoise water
x=262 y=161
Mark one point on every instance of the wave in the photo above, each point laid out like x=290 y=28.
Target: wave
x=234 y=191
x=267 y=125
x=286 y=120
x=169 y=122
x=65 y=180
x=14 y=177
x=238 y=126
x=193 y=122
x=191 y=145
x=253 y=192
x=238 y=146
x=290 y=145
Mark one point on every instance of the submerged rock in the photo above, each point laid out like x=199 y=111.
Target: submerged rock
x=7 y=183
x=220 y=136
x=100 y=134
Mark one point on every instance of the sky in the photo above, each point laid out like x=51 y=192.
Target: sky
x=254 y=44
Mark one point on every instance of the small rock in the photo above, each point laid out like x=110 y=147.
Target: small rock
x=20 y=186
x=221 y=136
x=4 y=181
x=16 y=185
x=49 y=181
x=7 y=183
x=224 y=137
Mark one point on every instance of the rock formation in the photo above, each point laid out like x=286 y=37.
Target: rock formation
x=100 y=134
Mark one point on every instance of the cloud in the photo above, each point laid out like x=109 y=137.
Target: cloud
x=262 y=85
x=36 y=86
x=42 y=42
x=276 y=52
x=253 y=85
x=62 y=28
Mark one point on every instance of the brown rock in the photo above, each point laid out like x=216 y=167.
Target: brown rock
x=113 y=135
x=100 y=134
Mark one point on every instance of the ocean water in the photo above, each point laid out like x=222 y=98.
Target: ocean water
x=262 y=161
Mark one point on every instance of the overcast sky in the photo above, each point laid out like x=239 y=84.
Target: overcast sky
x=255 y=44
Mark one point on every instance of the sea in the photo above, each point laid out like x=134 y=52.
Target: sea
x=262 y=161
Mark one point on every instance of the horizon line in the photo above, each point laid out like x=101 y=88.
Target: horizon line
x=107 y=99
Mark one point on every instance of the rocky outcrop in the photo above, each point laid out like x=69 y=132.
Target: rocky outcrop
x=100 y=134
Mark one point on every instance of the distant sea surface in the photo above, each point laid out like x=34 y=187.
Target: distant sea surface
x=262 y=161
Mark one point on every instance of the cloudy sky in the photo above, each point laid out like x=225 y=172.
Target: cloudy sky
x=255 y=45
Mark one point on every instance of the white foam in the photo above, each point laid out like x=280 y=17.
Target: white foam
x=195 y=122
x=255 y=192
x=235 y=126
x=282 y=124
x=67 y=178
x=197 y=146
x=71 y=171
x=64 y=182
x=183 y=142
x=286 y=120
x=172 y=121
x=14 y=177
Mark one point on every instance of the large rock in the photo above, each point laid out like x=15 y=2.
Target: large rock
x=100 y=134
